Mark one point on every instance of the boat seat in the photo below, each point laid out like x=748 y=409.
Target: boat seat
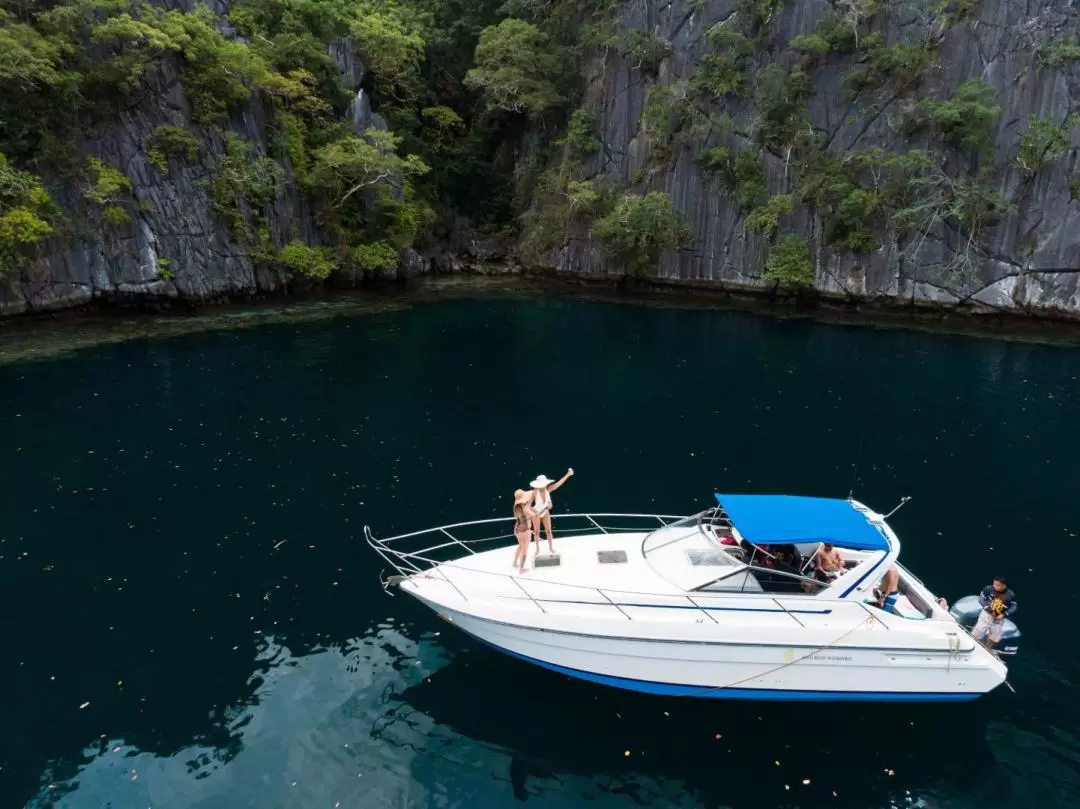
x=902 y=608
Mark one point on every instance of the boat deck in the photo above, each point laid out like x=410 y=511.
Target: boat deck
x=583 y=587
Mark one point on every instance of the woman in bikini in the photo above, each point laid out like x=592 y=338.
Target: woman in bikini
x=542 y=488
x=523 y=521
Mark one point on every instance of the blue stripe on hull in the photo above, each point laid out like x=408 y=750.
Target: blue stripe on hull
x=711 y=692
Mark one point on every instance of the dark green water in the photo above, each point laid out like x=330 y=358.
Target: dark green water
x=191 y=618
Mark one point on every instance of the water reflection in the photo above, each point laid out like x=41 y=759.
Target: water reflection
x=566 y=741
x=299 y=735
x=180 y=547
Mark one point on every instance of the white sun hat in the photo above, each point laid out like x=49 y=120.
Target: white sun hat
x=541 y=482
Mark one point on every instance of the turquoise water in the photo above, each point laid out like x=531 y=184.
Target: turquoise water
x=192 y=619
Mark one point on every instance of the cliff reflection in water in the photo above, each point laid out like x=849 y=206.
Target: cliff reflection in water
x=181 y=553
x=298 y=731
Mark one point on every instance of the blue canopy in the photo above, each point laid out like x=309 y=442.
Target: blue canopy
x=780 y=519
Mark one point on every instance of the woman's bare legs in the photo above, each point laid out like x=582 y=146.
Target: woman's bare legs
x=550 y=535
x=522 y=551
x=536 y=532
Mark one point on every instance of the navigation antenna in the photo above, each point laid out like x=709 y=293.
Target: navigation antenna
x=855 y=466
x=898 y=507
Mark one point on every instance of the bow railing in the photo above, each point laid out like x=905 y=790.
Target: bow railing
x=433 y=551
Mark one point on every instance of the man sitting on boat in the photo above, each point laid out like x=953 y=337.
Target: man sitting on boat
x=997 y=601
x=888 y=590
x=829 y=562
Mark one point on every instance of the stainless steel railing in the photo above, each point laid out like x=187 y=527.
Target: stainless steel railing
x=421 y=561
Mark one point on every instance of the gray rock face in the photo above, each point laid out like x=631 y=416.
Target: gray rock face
x=175 y=247
x=1031 y=259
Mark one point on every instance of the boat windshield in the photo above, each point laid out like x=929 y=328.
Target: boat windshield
x=691 y=551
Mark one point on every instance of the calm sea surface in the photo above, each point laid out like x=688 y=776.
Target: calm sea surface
x=190 y=617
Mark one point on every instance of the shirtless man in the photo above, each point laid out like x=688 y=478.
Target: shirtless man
x=888 y=589
x=829 y=560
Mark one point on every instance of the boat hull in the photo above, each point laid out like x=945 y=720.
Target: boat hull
x=738 y=670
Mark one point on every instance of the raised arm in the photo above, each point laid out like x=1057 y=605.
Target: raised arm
x=561 y=480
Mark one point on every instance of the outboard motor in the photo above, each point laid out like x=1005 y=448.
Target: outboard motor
x=966 y=612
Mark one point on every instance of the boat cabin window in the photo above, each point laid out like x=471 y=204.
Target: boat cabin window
x=763 y=580
x=689 y=541
x=687 y=554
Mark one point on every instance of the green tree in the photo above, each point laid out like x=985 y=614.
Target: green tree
x=167 y=142
x=640 y=228
x=310 y=262
x=28 y=216
x=968 y=118
x=766 y=218
x=722 y=71
x=375 y=256
x=28 y=61
x=390 y=39
x=517 y=68
x=789 y=263
x=645 y=50
x=1044 y=140
x=351 y=165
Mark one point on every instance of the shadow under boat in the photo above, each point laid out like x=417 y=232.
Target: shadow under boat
x=724 y=753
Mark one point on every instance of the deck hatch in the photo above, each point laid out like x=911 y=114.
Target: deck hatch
x=548 y=561
x=611 y=557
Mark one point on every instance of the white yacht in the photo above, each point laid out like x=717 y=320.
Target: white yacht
x=726 y=603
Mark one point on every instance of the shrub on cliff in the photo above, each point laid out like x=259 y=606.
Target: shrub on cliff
x=517 y=68
x=640 y=228
x=310 y=262
x=789 y=263
x=167 y=142
x=967 y=119
x=27 y=216
x=1043 y=141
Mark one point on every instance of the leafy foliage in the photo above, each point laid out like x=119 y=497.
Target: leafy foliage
x=789 y=263
x=28 y=216
x=741 y=173
x=168 y=142
x=857 y=196
x=968 y=118
x=374 y=256
x=1043 y=141
x=766 y=218
x=812 y=44
x=722 y=71
x=645 y=50
x=783 y=97
x=245 y=186
x=310 y=262
x=640 y=228
x=516 y=69
x=580 y=133
x=1058 y=53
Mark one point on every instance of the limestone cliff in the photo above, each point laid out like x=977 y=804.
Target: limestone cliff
x=174 y=246
x=819 y=95
x=1025 y=259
